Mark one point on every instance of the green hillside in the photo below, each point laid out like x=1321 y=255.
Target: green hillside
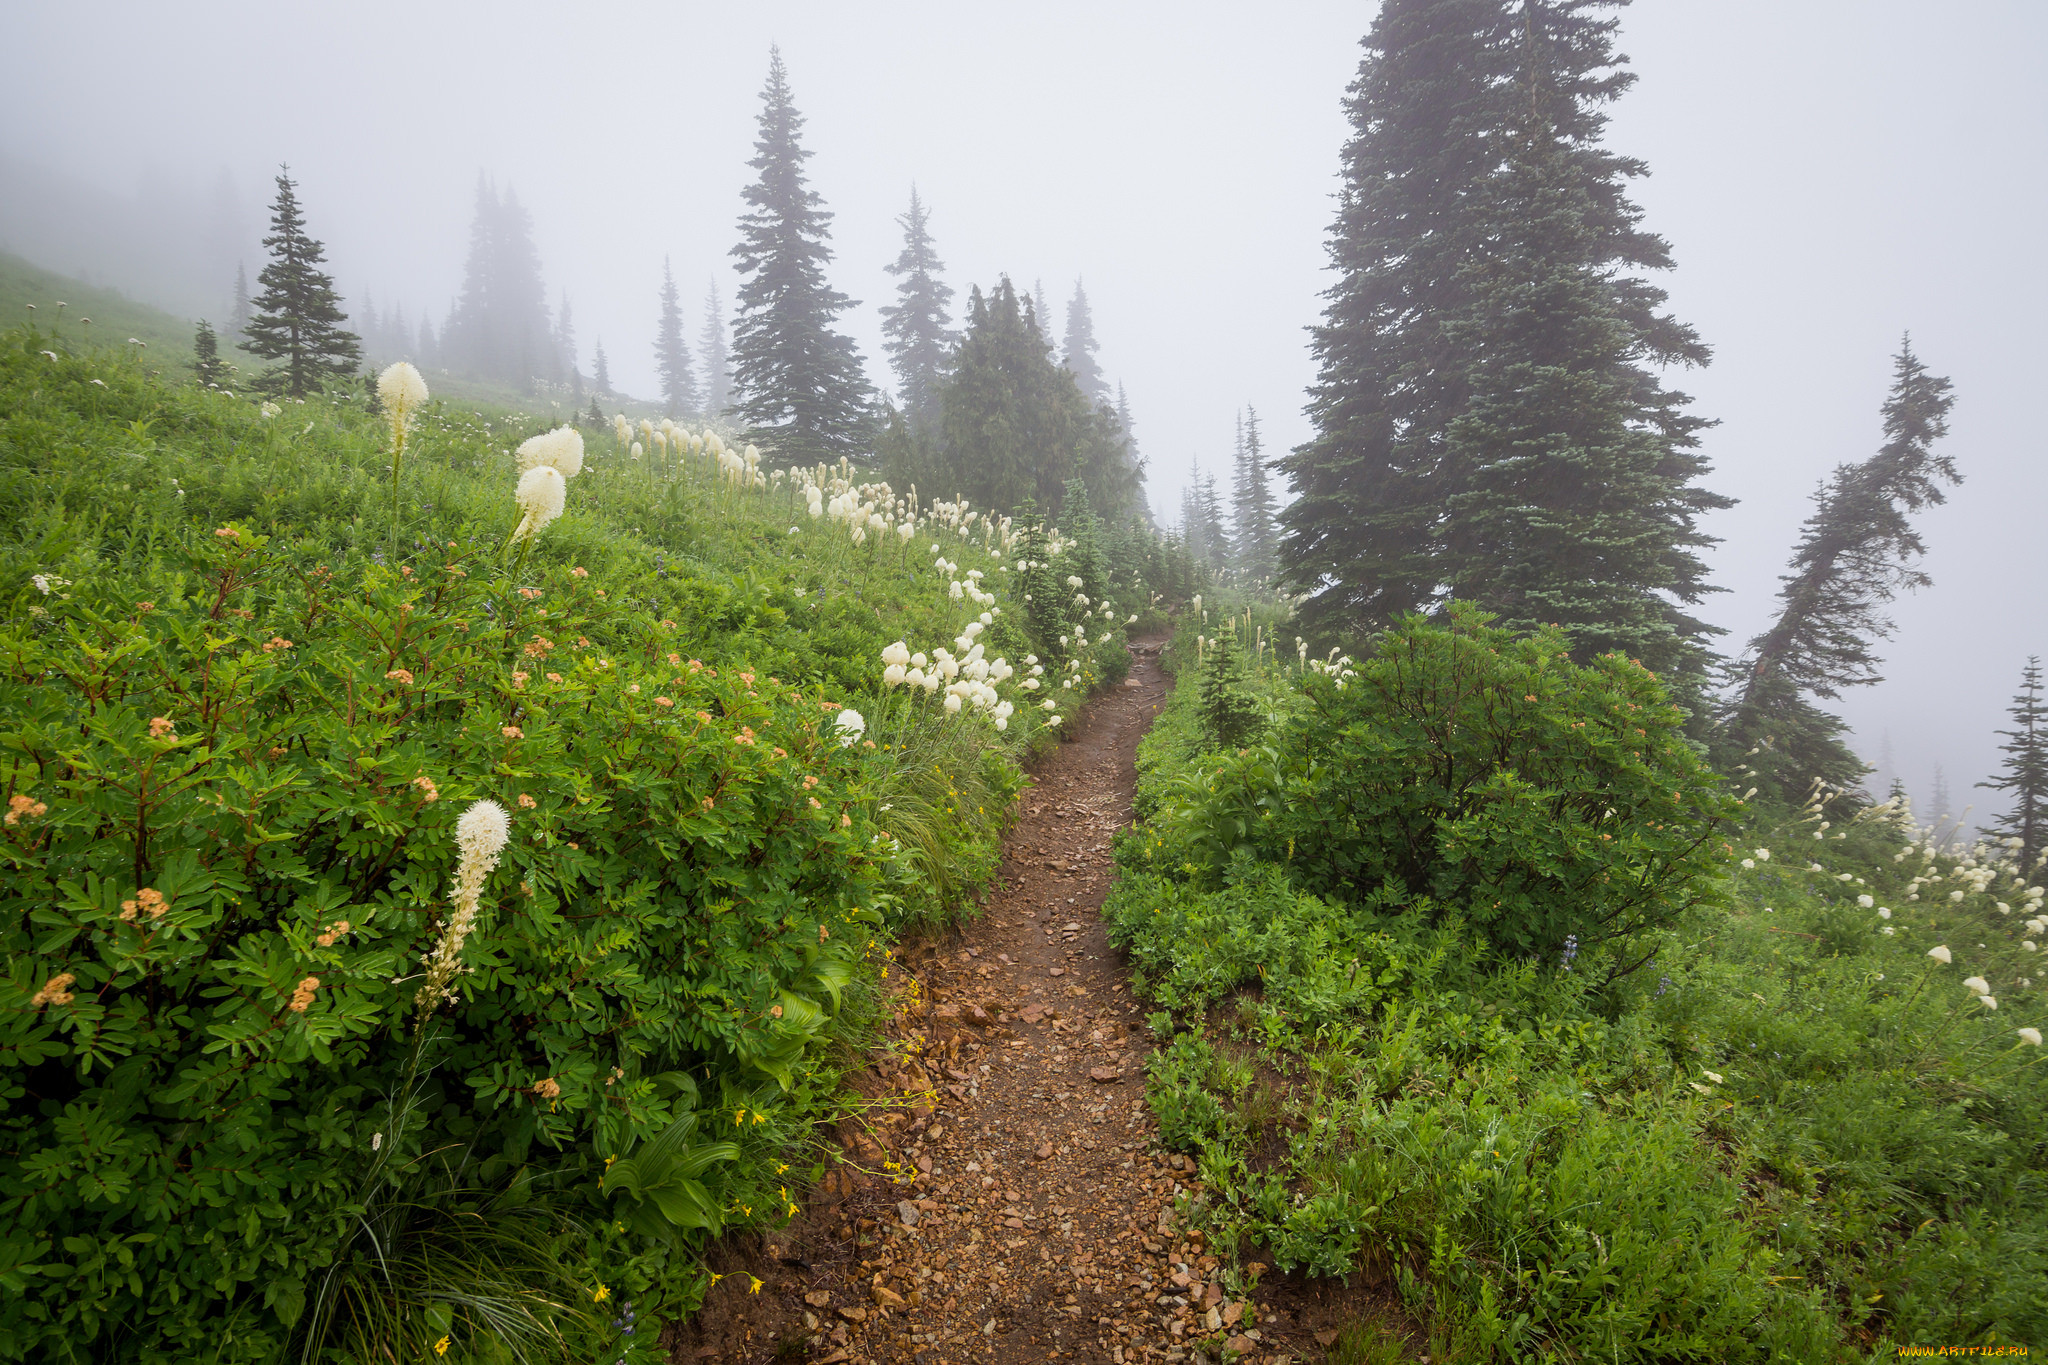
x=92 y=316
x=281 y=976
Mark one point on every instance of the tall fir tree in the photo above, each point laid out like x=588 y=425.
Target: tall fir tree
x=1215 y=535
x=297 y=318
x=238 y=319
x=1143 y=510
x=601 y=371
x=429 y=344
x=1856 y=552
x=714 y=353
x=499 y=329
x=565 y=344
x=1489 y=420
x=2024 y=775
x=1015 y=427
x=672 y=354
x=800 y=382
x=1041 y=313
x=918 y=325
x=206 y=361
x=1252 y=500
x=1079 y=348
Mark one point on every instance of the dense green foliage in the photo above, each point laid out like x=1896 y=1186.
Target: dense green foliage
x=238 y=733
x=1490 y=424
x=1793 y=1136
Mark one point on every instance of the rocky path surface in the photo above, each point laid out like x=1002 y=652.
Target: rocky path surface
x=1006 y=1198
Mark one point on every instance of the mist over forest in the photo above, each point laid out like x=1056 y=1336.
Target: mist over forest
x=1197 y=684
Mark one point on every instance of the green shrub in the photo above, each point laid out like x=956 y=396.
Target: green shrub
x=1557 y=808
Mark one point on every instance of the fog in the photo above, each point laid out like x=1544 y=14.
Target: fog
x=1829 y=174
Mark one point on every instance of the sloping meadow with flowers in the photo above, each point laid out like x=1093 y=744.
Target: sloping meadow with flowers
x=1475 y=982
x=444 y=859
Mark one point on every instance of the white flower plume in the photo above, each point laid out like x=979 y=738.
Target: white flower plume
x=561 y=449
x=541 y=495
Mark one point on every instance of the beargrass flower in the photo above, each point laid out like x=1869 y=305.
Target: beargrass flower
x=1941 y=954
x=480 y=836
x=1987 y=1002
x=541 y=495
x=850 y=725
x=561 y=449
x=2031 y=1037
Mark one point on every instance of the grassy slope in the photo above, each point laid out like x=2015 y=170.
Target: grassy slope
x=1798 y=1139
x=29 y=293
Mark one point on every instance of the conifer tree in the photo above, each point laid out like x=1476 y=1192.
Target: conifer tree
x=2025 y=774
x=712 y=351
x=565 y=334
x=1041 y=313
x=1016 y=427
x=298 y=316
x=920 y=339
x=1489 y=419
x=1252 y=499
x=671 y=354
x=206 y=356
x=1080 y=347
x=499 y=329
x=238 y=320
x=1856 y=551
x=601 y=371
x=799 y=381
x=430 y=345
x=1215 y=537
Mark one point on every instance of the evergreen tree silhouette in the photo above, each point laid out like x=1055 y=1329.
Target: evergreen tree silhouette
x=672 y=354
x=714 y=354
x=800 y=382
x=2025 y=773
x=920 y=339
x=298 y=316
x=1080 y=347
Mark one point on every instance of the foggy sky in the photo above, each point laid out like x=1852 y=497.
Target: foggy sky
x=1829 y=175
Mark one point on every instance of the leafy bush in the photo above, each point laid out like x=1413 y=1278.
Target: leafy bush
x=1553 y=806
x=1801 y=1136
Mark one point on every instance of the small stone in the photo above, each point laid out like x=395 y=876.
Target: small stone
x=887 y=1298
x=1232 y=1314
x=861 y=1315
x=907 y=1211
x=1326 y=1339
x=819 y=1298
x=1213 y=1320
x=1071 y=928
x=1107 y=1075
x=1057 y=971
x=1241 y=1344
x=1044 y=1151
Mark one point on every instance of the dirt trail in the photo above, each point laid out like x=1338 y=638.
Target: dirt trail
x=1012 y=1203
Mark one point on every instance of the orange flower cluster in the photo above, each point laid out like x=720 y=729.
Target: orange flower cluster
x=519 y=681
x=511 y=732
x=402 y=676
x=275 y=643
x=148 y=901
x=525 y=801
x=20 y=807
x=529 y=593
x=340 y=927
x=428 y=791
x=539 y=647
x=303 y=996
x=55 y=991
x=162 y=727
x=663 y=702
x=548 y=1089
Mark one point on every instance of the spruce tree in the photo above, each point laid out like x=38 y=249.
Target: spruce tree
x=1490 y=423
x=1857 y=550
x=565 y=336
x=2025 y=774
x=298 y=317
x=712 y=351
x=1041 y=313
x=1252 y=500
x=1215 y=538
x=799 y=381
x=601 y=371
x=671 y=354
x=238 y=320
x=499 y=329
x=920 y=339
x=1080 y=347
x=206 y=357
x=429 y=344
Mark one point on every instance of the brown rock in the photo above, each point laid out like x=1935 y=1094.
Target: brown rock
x=861 y=1315
x=1212 y=1295
x=1108 y=1075
x=1241 y=1344
x=819 y=1298
x=1232 y=1313
x=1326 y=1339
x=1044 y=1151
x=887 y=1298
x=1056 y=971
